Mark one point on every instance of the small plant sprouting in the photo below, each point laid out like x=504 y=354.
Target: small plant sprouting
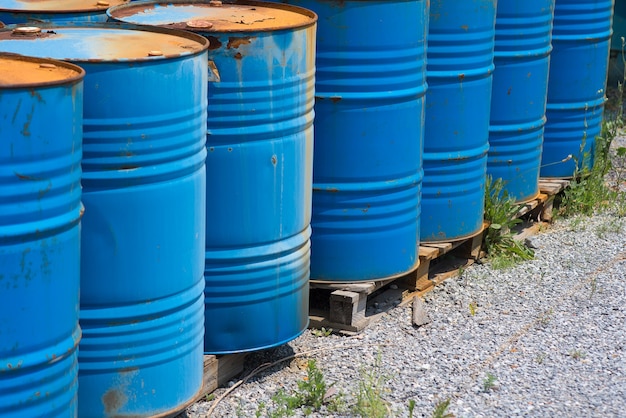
x=441 y=410
x=259 y=410
x=594 y=287
x=589 y=190
x=369 y=398
x=285 y=405
x=540 y=358
x=612 y=226
x=472 y=308
x=490 y=383
x=545 y=317
x=577 y=354
x=209 y=397
x=501 y=212
x=311 y=394
x=411 y=407
x=311 y=391
x=323 y=332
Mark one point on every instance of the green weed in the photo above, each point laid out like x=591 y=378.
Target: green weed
x=259 y=410
x=589 y=191
x=501 y=212
x=611 y=226
x=489 y=383
x=577 y=354
x=369 y=398
x=441 y=410
x=411 y=408
x=311 y=395
x=323 y=332
x=540 y=358
x=546 y=317
x=472 y=308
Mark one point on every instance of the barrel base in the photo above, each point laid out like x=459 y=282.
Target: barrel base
x=456 y=239
x=180 y=408
x=377 y=279
x=529 y=199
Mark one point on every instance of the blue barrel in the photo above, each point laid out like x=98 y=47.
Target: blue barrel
x=369 y=106
x=619 y=25
x=616 y=59
x=142 y=252
x=518 y=98
x=56 y=11
x=458 y=102
x=40 y=211
x=576 y=89
x=259 y=165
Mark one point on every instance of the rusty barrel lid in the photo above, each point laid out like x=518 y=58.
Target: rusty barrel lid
x=60 y=6
x=17 y=71
x=215 y=15
x=100 y=42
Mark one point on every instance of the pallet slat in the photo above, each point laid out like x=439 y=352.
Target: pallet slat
x=347 y=302
x=219 y=370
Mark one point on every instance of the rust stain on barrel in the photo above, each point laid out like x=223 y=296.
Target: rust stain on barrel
x=236 y=42
x=25 y=177
x=214 y=43
x=113 y=400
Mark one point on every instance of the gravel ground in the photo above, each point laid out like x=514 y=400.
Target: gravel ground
x=545 y=338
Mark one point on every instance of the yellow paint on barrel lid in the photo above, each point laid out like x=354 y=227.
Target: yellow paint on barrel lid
x=240 y=16
x=102 y=42
x=19 y=71
x=58 y=6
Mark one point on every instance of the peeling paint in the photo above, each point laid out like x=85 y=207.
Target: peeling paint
x=113 y=400
x=236 y=42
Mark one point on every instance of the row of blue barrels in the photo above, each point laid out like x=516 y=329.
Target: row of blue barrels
x=259 y=168
x=577 y=85
x=362 y=195
x=259 y=164
x=140 y=257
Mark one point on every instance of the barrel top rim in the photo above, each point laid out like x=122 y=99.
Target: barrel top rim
x=77 y=73
x=60 y=6
x=115 y=52
x=307 y=17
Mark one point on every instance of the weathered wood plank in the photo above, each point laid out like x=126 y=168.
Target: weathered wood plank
x=219 y=370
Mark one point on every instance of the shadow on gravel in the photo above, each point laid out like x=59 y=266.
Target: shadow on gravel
x=259 y=358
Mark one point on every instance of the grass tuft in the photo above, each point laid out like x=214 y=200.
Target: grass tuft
x=501 y=212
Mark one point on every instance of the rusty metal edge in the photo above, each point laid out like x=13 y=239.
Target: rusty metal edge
x=282 y=6
x=80 y=72
x=201 y=40
x=58 y=11
x=171 y=412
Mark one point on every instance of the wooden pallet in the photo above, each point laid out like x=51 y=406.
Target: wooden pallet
x=429 y=273
x=343 y=307
x=541 y=207
x=219 y=370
